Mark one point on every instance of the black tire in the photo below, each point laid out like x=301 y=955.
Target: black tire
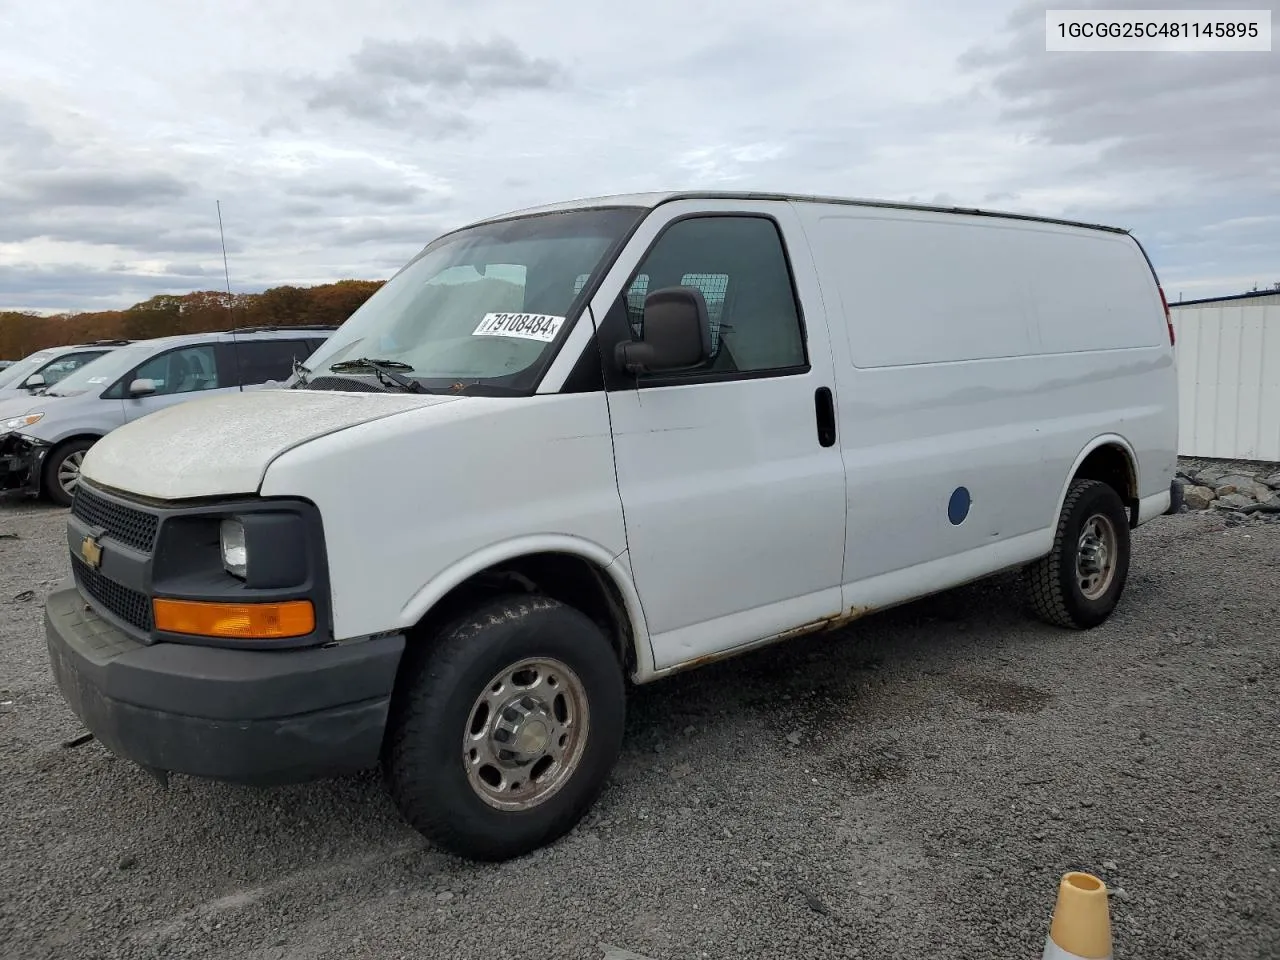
x=432 y=711
x=50 y=485
x=1054 y=586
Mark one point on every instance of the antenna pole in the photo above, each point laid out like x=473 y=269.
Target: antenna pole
x=226 y=271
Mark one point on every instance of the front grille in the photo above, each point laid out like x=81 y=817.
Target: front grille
x=133 y=528
x=129 y=605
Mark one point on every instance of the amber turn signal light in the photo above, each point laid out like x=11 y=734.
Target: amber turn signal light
x=235 y=621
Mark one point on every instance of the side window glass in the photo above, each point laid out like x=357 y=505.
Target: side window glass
x=186 y=370
x=264 y=360
x=636 y=293
x=634 y=299
x=713 y=287
x=739 y=264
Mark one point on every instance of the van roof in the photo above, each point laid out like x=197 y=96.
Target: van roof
x=246 y=333
x=656 y=198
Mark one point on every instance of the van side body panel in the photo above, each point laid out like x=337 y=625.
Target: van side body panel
x=980 y=360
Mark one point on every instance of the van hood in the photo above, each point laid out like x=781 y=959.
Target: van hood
x=222 y=445
x=12 y=399
x=20 y=406
x=11 y=406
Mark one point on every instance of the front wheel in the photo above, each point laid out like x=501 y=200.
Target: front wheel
x=1078 y=584
x=505 y=727
x=62 y=471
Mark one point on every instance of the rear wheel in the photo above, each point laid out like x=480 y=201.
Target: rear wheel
x=505 y=727
x=1078 y=584
x=62 y=471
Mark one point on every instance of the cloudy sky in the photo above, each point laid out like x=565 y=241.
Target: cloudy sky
x=340 y=142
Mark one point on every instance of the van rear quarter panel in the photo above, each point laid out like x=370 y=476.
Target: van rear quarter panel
x=985 y=354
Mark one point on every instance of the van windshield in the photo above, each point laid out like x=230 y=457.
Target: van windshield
x=485 y=306
x=101 y=373
x=14 y=375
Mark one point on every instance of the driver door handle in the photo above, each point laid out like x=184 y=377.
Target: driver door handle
x=825 y=409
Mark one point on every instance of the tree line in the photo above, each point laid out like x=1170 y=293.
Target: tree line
x=201 y=311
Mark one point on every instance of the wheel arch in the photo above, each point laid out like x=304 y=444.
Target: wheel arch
x=53 y=447
x=72 y=437
x=574 y=571
x=1110 y=459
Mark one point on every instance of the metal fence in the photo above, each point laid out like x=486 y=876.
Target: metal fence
x=1229 y=381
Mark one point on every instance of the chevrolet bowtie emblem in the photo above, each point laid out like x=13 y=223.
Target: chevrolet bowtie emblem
x=91 y=551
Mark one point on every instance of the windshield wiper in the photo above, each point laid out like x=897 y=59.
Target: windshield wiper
x=459 y=387
x=302 y=373
x=365 y=362
x=385 y=370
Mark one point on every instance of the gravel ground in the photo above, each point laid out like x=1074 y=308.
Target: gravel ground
x=913 y=787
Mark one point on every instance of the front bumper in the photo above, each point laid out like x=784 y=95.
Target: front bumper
x=20 y=461
x=246 y=716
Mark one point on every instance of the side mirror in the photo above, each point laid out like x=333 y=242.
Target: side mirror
x=34 y=382
x=676 y=334
x=143 y=387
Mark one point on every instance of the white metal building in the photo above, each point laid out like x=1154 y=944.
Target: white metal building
x=1228 y=351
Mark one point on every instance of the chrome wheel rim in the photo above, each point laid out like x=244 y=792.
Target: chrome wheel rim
x=69 y=472
x=1096 y=556
x=525 y=734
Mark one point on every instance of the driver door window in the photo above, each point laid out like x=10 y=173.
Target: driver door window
x=186 y=370
x=179 y=375
x=739 y=265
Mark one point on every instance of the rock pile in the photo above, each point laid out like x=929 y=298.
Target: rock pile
x=1247 y=489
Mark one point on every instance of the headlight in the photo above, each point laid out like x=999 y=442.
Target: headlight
x=235 y=553
x=17 y=423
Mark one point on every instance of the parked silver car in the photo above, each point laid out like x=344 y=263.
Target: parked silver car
x=43 y=438
x=40 y=370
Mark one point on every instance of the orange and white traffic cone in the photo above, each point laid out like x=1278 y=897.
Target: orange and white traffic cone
x=1081 y=925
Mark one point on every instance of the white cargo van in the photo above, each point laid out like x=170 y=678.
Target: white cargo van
x=601 y=441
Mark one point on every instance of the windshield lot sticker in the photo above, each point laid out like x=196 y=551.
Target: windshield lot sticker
x=526 y=326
